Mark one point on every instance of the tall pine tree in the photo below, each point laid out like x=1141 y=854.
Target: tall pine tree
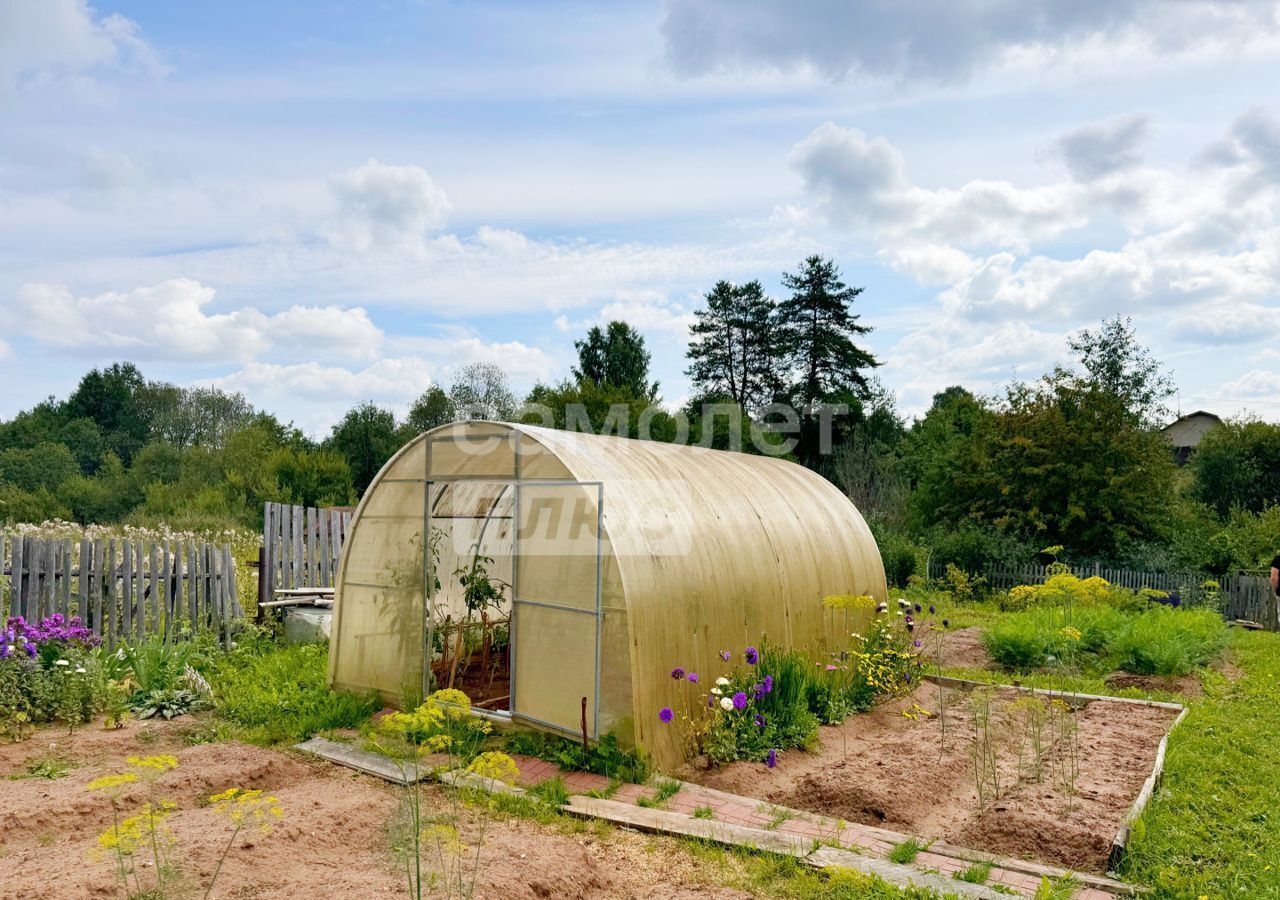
x=819 y=328
x=736 y=348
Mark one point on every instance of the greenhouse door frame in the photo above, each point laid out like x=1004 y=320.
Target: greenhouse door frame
x=517 y=601
x=592 y=723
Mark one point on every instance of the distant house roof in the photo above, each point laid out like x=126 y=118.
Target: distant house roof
x=1186 y=431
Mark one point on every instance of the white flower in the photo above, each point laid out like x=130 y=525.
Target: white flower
x=722 y=681
x=717 y=691
x=726 y=704
x=11 y=648
x=80 y=670
x=61 y=662
x=903 y=602
x=899 y=612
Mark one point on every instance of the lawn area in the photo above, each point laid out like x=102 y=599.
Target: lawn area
x=1212 y=828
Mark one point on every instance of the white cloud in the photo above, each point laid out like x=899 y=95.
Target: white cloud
x=861 y=182
x=168 y=321
x=1227 y=323
x=1099 y=149
x=385 y=207
x=54 y=42
x=646 y=311
x=1256 y=384
x=5 y=352
x=942 y=40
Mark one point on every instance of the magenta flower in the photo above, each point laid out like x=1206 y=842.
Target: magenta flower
x=768 y=683
x=693 y=677
x=759 y=720
x=830 y=667
x=752 y=656
x=740 y=700
x=677 y=673
x=724 y=655
x=665 y=714
x=771 y=759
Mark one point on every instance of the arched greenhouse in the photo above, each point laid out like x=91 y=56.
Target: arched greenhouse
x=626 y=558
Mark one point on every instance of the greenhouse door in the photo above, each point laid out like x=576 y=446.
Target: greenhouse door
x=555 y=609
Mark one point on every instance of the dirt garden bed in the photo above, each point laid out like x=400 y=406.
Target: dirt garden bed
x=887 y=768
x=332 y=841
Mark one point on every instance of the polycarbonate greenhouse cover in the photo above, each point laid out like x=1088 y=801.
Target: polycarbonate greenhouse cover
x=686 y=550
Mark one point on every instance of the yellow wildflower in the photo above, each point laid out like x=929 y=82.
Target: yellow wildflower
x=246 y=806
x=161 y=762
x=1070 y=633
x=110 y=782
x=495 y=765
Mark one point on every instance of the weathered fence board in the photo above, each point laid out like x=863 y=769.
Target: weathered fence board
x=301 y=545
x=121 y=590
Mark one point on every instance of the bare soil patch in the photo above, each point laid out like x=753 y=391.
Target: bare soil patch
x=331 y=843
x=883 y=768
x=1186 y=685
x=963 y=649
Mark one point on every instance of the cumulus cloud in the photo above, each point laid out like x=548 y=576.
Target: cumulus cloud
x=646 y=311
x=169 y=321
x=938 y=40
x=49 y=42
x=861 y=182
x=1227 y=323
x=386 y=207
x=1256 y=384
x=1099 y=149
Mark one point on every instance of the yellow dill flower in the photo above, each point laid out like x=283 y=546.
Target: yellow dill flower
x=247 y=806
x=137 y=830
x=495 y=765
x=1070 y=633
x=110 y=782
x=161 y=762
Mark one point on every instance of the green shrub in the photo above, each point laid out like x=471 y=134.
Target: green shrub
x=1033 y=638
x=281 y=695
x=787 y=714
x=901 y=556
x=1163 y=641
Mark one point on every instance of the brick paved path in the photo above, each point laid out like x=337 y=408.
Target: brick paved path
x=754 y=813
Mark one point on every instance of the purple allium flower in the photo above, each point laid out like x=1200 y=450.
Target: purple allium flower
x=752 y=655
x=693 y=677
x=665 y=714
x=677 y=673
x=919 y=608
x=906 y=676
x=31 y=650
x=768 y=683
x=740 y=700
x=771 y=759
x=757 y=690
x=911 y=626
x=724 y=655
x=759 y=720
x=4 y=650
x=932 y=610
x=710 y=700
x=916 y=643
x=908 y=619
x=945 y=623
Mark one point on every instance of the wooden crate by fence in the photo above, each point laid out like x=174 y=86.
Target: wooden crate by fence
x=123 y=589
x=301 y=545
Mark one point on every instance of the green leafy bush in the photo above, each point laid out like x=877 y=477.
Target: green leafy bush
x=1034 y=638
x=280 y=694
x=1163 y=641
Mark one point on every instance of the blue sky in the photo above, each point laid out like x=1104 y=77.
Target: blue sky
x=321 y=203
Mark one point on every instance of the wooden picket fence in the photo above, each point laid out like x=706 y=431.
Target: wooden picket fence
x=1240 y=596
x=122 y=589
x=301 y=546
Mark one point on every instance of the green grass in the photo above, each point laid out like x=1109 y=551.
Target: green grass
x=1212 y=829
x=704 y=812
x=978 y=873
x=604 y=757
x=1057 y=888
x=663 y=790
x=907 y=851
x=553 y=792
x=275 y=694
x=1164 y=641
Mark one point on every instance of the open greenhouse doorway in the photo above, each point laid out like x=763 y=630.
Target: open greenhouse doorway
x=514 y=599
x=469 y=580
